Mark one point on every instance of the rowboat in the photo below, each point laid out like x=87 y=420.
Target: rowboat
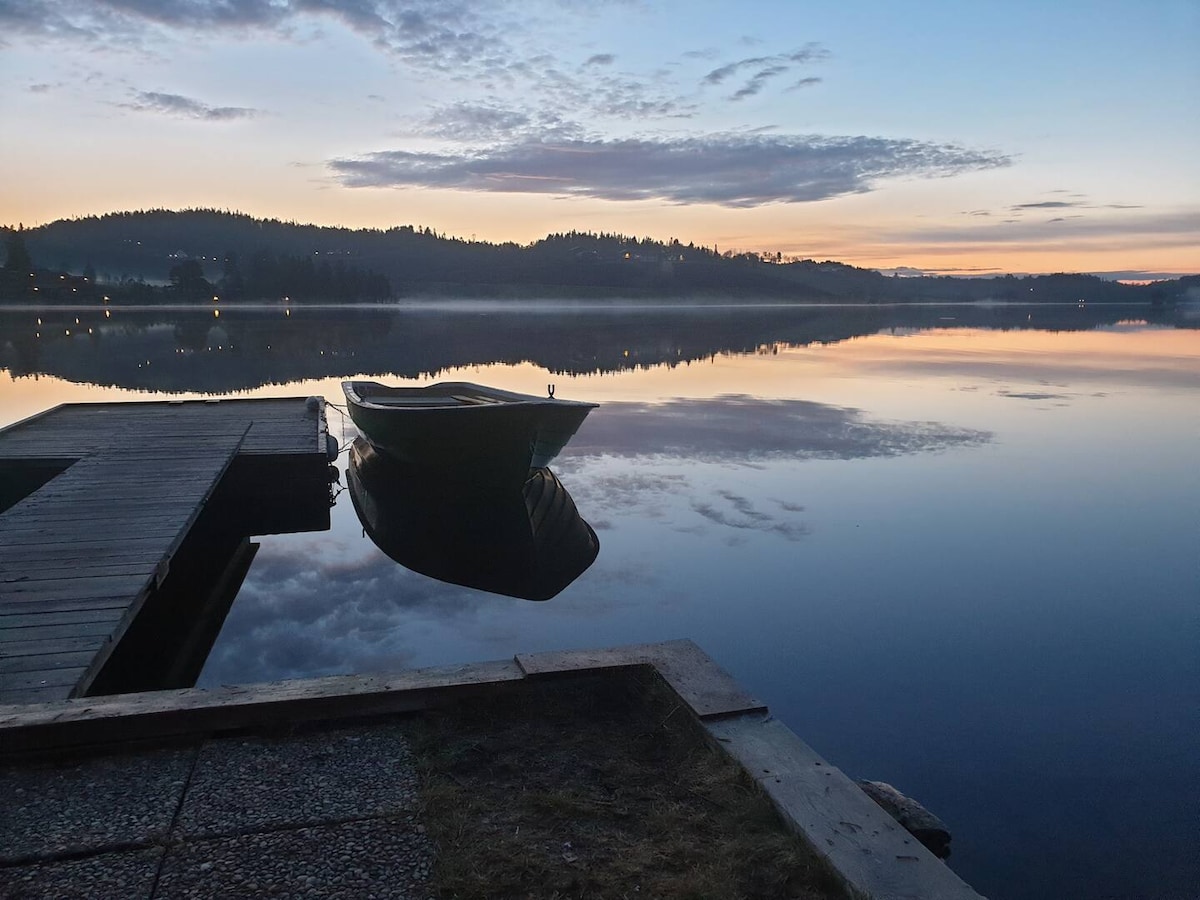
x=456 y=424
x=525 y=540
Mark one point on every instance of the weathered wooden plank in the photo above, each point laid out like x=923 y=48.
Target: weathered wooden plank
x=84 y=535
x=874 y=854
x=23 y=603
x=13 y=637
x=134 y=495
x=31 y=663
x=30 y=525
x=35 y=553
x=34 y=695
x=92 y=505
x=15 y=622
x=39 y=678
x=690 y=672
x=38 y=531
x=42 y=646
x=78 y=556
x=119 y=554
x=158 y=713
x=11 y=573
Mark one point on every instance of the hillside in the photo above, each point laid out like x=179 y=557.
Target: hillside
x=199 y=251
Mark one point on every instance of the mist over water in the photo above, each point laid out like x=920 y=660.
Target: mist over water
x=953 y=548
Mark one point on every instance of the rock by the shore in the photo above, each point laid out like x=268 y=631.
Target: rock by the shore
x=919 y=822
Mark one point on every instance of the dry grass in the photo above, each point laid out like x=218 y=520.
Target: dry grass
x=598 y=787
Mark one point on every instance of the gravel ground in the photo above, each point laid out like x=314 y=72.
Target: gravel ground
x=318 y=814
x=116 y=875
x=244 y=785
x=370 y=858
x=52 y=809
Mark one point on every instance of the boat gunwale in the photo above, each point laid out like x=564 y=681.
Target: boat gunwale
x=504 y=399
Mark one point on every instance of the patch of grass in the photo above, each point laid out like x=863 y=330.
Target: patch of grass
x=598 y=787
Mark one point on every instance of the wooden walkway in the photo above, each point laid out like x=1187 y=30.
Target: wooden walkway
x=80 y=555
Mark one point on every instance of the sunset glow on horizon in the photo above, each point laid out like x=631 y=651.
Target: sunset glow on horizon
x=916 y=139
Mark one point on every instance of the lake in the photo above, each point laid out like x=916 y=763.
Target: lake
x=955 y=548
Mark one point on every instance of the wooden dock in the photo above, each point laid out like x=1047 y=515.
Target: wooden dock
x=113 y=490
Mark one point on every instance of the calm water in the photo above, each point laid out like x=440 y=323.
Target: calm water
x=954 y=549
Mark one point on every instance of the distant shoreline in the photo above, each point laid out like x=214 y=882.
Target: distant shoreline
x=535 y=305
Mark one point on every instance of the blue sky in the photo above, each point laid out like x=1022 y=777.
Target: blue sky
x=945 y=137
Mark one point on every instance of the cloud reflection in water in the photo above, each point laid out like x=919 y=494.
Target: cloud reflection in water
x=736 y=428
x=332 y=603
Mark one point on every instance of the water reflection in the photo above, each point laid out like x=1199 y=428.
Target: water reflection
x=187 y=350
x=525 y=541
x=745 y=429
x=994 y=612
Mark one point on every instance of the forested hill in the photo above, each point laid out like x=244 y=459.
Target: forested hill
x=266 y=258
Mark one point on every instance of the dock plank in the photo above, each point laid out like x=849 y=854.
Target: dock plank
x=50 y=646
x=71 y=659
x=40 y=678
x=12 y=623
x=11 y=573
x=14 y=636
x=22 y=604
x=81 y=553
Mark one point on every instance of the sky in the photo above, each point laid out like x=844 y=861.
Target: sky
x=935 y=137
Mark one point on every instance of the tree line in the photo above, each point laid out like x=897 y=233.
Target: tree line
x=193 y=253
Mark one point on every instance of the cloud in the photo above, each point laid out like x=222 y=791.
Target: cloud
x=283 y=624
x=1174 y=228
x=724 y=169
x=186 y=107
x=745 y=516
x=441 y=34
x=735 y=428
x=600 y=59
x=766 y=68
x=758 y=81
x=1080 y=201
x=1047 y=204
x=1032 y=395
x=476 y=122
x=1139 y=275
x=805 y=82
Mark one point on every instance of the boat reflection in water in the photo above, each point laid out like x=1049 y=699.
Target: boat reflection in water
x=523 y=540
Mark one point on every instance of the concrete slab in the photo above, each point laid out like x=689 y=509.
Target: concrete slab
x=242 y=785
x=707 y=688
x=253 y=804
x=129 y=876
x=382 y=858
x=102 y=803
x=876 y=856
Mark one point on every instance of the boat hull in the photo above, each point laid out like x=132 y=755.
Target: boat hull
x=523 y=540
x=433 y=428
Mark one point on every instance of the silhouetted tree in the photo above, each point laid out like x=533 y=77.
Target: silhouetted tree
x=17 y=260
x=187 y=278
x=232 y=283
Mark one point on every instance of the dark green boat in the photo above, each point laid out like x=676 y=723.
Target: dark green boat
x=457 y=424
x=524 y=540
